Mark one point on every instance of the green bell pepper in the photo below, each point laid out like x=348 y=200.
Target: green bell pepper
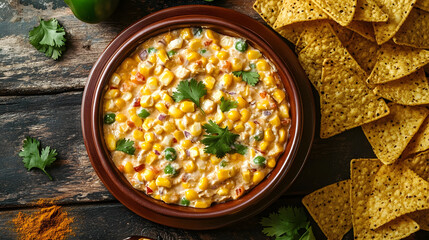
x=92 y=11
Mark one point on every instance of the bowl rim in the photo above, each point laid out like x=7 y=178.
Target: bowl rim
x=126 y=42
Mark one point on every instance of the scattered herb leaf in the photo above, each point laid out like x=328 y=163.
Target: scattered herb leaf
x=252 y=78
x=259 y=160
x=191 y=90
x=184 y=202
x=197 y=31
x=226 y=105
x=223 y=163
x=49 y=38
x=171 y=53
x=126 y=146
x=152 y=50
x=143 y=113
x=238 y=148
x=202 y=51
x=32 y=157
x=109 y=118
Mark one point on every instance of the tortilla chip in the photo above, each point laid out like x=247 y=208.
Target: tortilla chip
x=345 y=100
x=390 y=135
x=396 y=191
x=409 y=90
x=419 y=164
x=268 y=10
x=341 y=11
x=420 y=141
x=326 y=45
x=397 y=12
x=395 y=62
x=364 y=29
x=362 y=173
x=342 y=33
x=363 y=51
x=414 y=31
x=330 y=208
x=368 y=11
x=423 y=4
x=294 y=11
x=422 y=219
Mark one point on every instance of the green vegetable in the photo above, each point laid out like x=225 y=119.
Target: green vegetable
x=226 y=105
x=184 y=202
x=126 y=146
x=252 y=78
x=151 y=50
x=259 y=136
x=288 y=223
x=49 y=38
x=170 y=154
x=252 y=66
x=109 y=118
x=259 y=160
x=202 y=51
x=34 y=158
x=143 y=113
x=171 y=53
x=197 y=31
x=92 y=11
x=241 y=45
x=223 y=163
x=170 y=170
x=221 y=141
x=191 y=90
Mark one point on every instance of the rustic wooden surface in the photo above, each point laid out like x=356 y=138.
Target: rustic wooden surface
x=41 y=98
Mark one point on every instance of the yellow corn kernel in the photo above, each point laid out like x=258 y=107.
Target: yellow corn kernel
x=239 y=127
x=146 y=146
x=241 y=103
x=191 y=194
x=148 y=174
x=157 y=147
x=158 y=70
x=246 y=91
x=203 y=184
x=219 y=117
x=223 y=174
x=226 y=80
x=138 y=135
x=213 y=60
x=271 y=163
x=275 y=121
x=136 y=120
x=169 y=198
x=151 y=157
x=252 y=153
x=127 y=96
x=115 y=79
x=262 y=65
x=121 y=117
x=178 y=135
x=111 y=142
x=157 y=197
x=140 y=177
x=109 y=106
x=279 y=95
x=192 y=56
x=149 y=137
x=236 y=79
x=175 y=112
x=223 y=191
x=112 y=93
x=223 y=55
x=214 y=160
x=146 y=101
x=162 y=55
x=195 y=44
x=189 y=167
x=152 y=184
x=237 y=65
x=245 y=115
x=186 y=185
x=253 y=54
x=194 y=152
x=202 y=203
x=161 y=107
x=263 y=145
x=282 y=135
x=158 y=129
x=145 y=91
x=152 y=58
x=187 y=106
x=132 y=111
x=252 y=127
x=128 y=64
x=203 y=61
x=263 y=104
x=169 y=126
x=246 y=176
x=186 y=144
x=269 y=81
x=168 y=37
x=228 y=123
x=209 y=81
x=120 y=103
x=204 y=156
x=163 y=182
x=180 y=125
x=215 y=46
x=234 y=115
x=198 y=117
x=284 y=111
x=152 y=83
x=217 y=96
x=258 y=176
x=196 y=129
x=156 y=98
x=128 y=168
x=166 y=77
x=186 y=34
x=212 y=35
x=167 y=98
x=133 y=72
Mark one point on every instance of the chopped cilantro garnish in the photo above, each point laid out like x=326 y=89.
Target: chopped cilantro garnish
x=126 y=146
x=252 y=78
x=197 y=31
x=191 y=90
x=171 y=53
x=202 y=51
x=34 y=158
x=49 y=38
x=226 y=105
x=152 y=50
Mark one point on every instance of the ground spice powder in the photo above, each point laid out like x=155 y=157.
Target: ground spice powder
x=49 y=223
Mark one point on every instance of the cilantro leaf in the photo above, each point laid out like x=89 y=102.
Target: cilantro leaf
x=49 y=38
x=191 y=90
x=221 y=141
x=126 y=146
x=252 y=78
x=32 y=158
x=287 y=223
x=226 y=105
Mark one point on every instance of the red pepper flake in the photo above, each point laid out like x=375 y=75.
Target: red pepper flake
x=121 y=168
x=139 y=168
x=131 y=124
x=263 y=94
x=140 y=78
x=136 y=102
x=149 y=190
x=239 y=191
x=174 y=140
x=208 y=42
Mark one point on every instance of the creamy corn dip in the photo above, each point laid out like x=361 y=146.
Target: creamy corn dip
x=156 y=135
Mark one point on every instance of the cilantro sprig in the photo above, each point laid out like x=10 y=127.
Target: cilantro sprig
x=221 y=141
x=252 y=78
x=49 y=38
x=289 y=223
x=34 y=158
x=191 y=90
x=226 y=105
x=126 y=146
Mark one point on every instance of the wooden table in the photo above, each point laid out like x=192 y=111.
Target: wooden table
x=41 y=98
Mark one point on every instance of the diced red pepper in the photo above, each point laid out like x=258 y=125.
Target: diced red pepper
x=139 y=168
x=131 y=124
x=139 y=78
x=239 y=191
x=149 y=190
x=263 y=94
x=136 y=102
x=208 y=42
x=174 y=140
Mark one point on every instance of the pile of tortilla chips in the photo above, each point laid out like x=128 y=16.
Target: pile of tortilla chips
x=367 y=60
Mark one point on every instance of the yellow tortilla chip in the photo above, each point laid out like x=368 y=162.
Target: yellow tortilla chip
x=422 y=219
x=293 y=11
x=330 y=208
x=389 y=136
x=368 y=11
x=396 y=191
x=345 y=100
x=409 y=90
x=341 y=11
x=363 y=51
x=364 y=29
x=395 y=62
x=268 y=10
x=420 y=141
x=419 y=164
x=414 y=31
x=423 y=4
x=362 y=173
x=342 y=33
x=397 y=11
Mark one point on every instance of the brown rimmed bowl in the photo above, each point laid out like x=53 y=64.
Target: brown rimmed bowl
x=228 y=22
